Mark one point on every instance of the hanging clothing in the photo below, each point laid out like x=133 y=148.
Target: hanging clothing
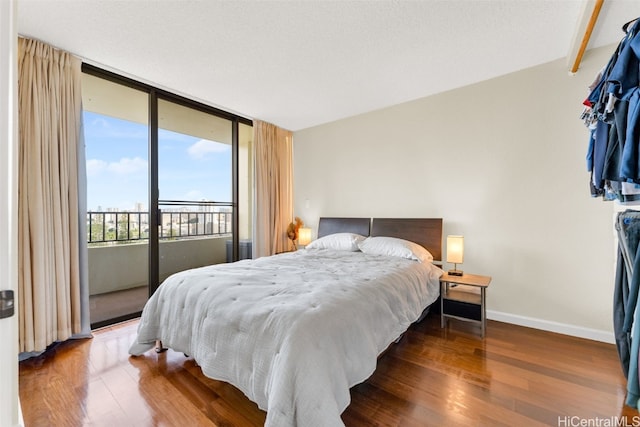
x=612 y=114
x=601 y=140
x=613 y=155
x=626 y=309
x=620 y=298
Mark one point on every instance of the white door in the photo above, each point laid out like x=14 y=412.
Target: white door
x=9 y=402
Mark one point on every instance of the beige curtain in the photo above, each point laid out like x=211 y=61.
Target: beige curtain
x=274 y=188
x=48 y=251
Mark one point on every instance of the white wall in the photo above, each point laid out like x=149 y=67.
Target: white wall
x=9 y=402
x=502 y=162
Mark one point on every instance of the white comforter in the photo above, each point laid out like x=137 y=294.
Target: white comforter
x=294 y=331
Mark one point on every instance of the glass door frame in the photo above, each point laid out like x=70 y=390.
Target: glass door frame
x=154 y=173
x=153 y=192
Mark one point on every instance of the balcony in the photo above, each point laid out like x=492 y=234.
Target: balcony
x=129 y=227
x=118 y=254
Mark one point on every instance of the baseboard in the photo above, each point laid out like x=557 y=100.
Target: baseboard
x=547 y=325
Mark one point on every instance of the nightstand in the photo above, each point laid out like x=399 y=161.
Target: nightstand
x=464 y=298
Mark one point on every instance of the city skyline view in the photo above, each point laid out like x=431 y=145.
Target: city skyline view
x=116 y=150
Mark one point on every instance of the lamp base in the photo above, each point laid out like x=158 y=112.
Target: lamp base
x=455 y=272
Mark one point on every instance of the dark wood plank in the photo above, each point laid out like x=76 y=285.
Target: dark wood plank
x=426 y=232
x=330 y=225
x=515 y=376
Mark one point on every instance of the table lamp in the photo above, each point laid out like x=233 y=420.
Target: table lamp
x=455 y=253
x=304 y=236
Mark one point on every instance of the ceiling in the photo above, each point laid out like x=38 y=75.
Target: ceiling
x=302 y=63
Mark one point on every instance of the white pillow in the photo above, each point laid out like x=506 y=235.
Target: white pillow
x=392 y=246
x=338 y=242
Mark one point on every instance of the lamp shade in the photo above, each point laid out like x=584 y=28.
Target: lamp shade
x=455 y=249
x=304 y=236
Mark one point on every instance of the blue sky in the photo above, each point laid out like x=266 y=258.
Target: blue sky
x=117 y=165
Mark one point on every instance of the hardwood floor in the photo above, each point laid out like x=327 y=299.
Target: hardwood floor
x=434 y=377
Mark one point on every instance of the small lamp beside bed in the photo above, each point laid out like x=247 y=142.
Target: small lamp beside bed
x=304 y=236
x=455 y=253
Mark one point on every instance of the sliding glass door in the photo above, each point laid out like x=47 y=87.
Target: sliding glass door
x=195 y=188
x=169 y=187
x=116 y=132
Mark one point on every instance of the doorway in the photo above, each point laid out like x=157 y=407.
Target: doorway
x=116 y=132
x=169 y=187
x=195 y=185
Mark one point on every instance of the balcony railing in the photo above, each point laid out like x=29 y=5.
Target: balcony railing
x=130 y=226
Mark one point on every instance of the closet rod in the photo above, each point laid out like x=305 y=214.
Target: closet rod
x=587 y=34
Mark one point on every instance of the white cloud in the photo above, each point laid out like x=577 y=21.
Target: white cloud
x=100 y=122
x=95 y=166
x=200 y=149
x=126 y=166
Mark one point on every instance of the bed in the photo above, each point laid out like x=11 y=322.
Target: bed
x=295 y=331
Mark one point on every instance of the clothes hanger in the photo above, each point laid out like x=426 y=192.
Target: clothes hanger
x=631 y=24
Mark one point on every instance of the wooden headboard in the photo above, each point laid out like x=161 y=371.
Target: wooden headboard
x=344 y=225
x=426 y=232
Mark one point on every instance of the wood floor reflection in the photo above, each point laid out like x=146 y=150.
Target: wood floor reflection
x=433 y=377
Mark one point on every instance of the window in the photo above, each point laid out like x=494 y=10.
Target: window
x=149 y=151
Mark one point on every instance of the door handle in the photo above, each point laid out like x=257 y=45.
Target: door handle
x=6 y=304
